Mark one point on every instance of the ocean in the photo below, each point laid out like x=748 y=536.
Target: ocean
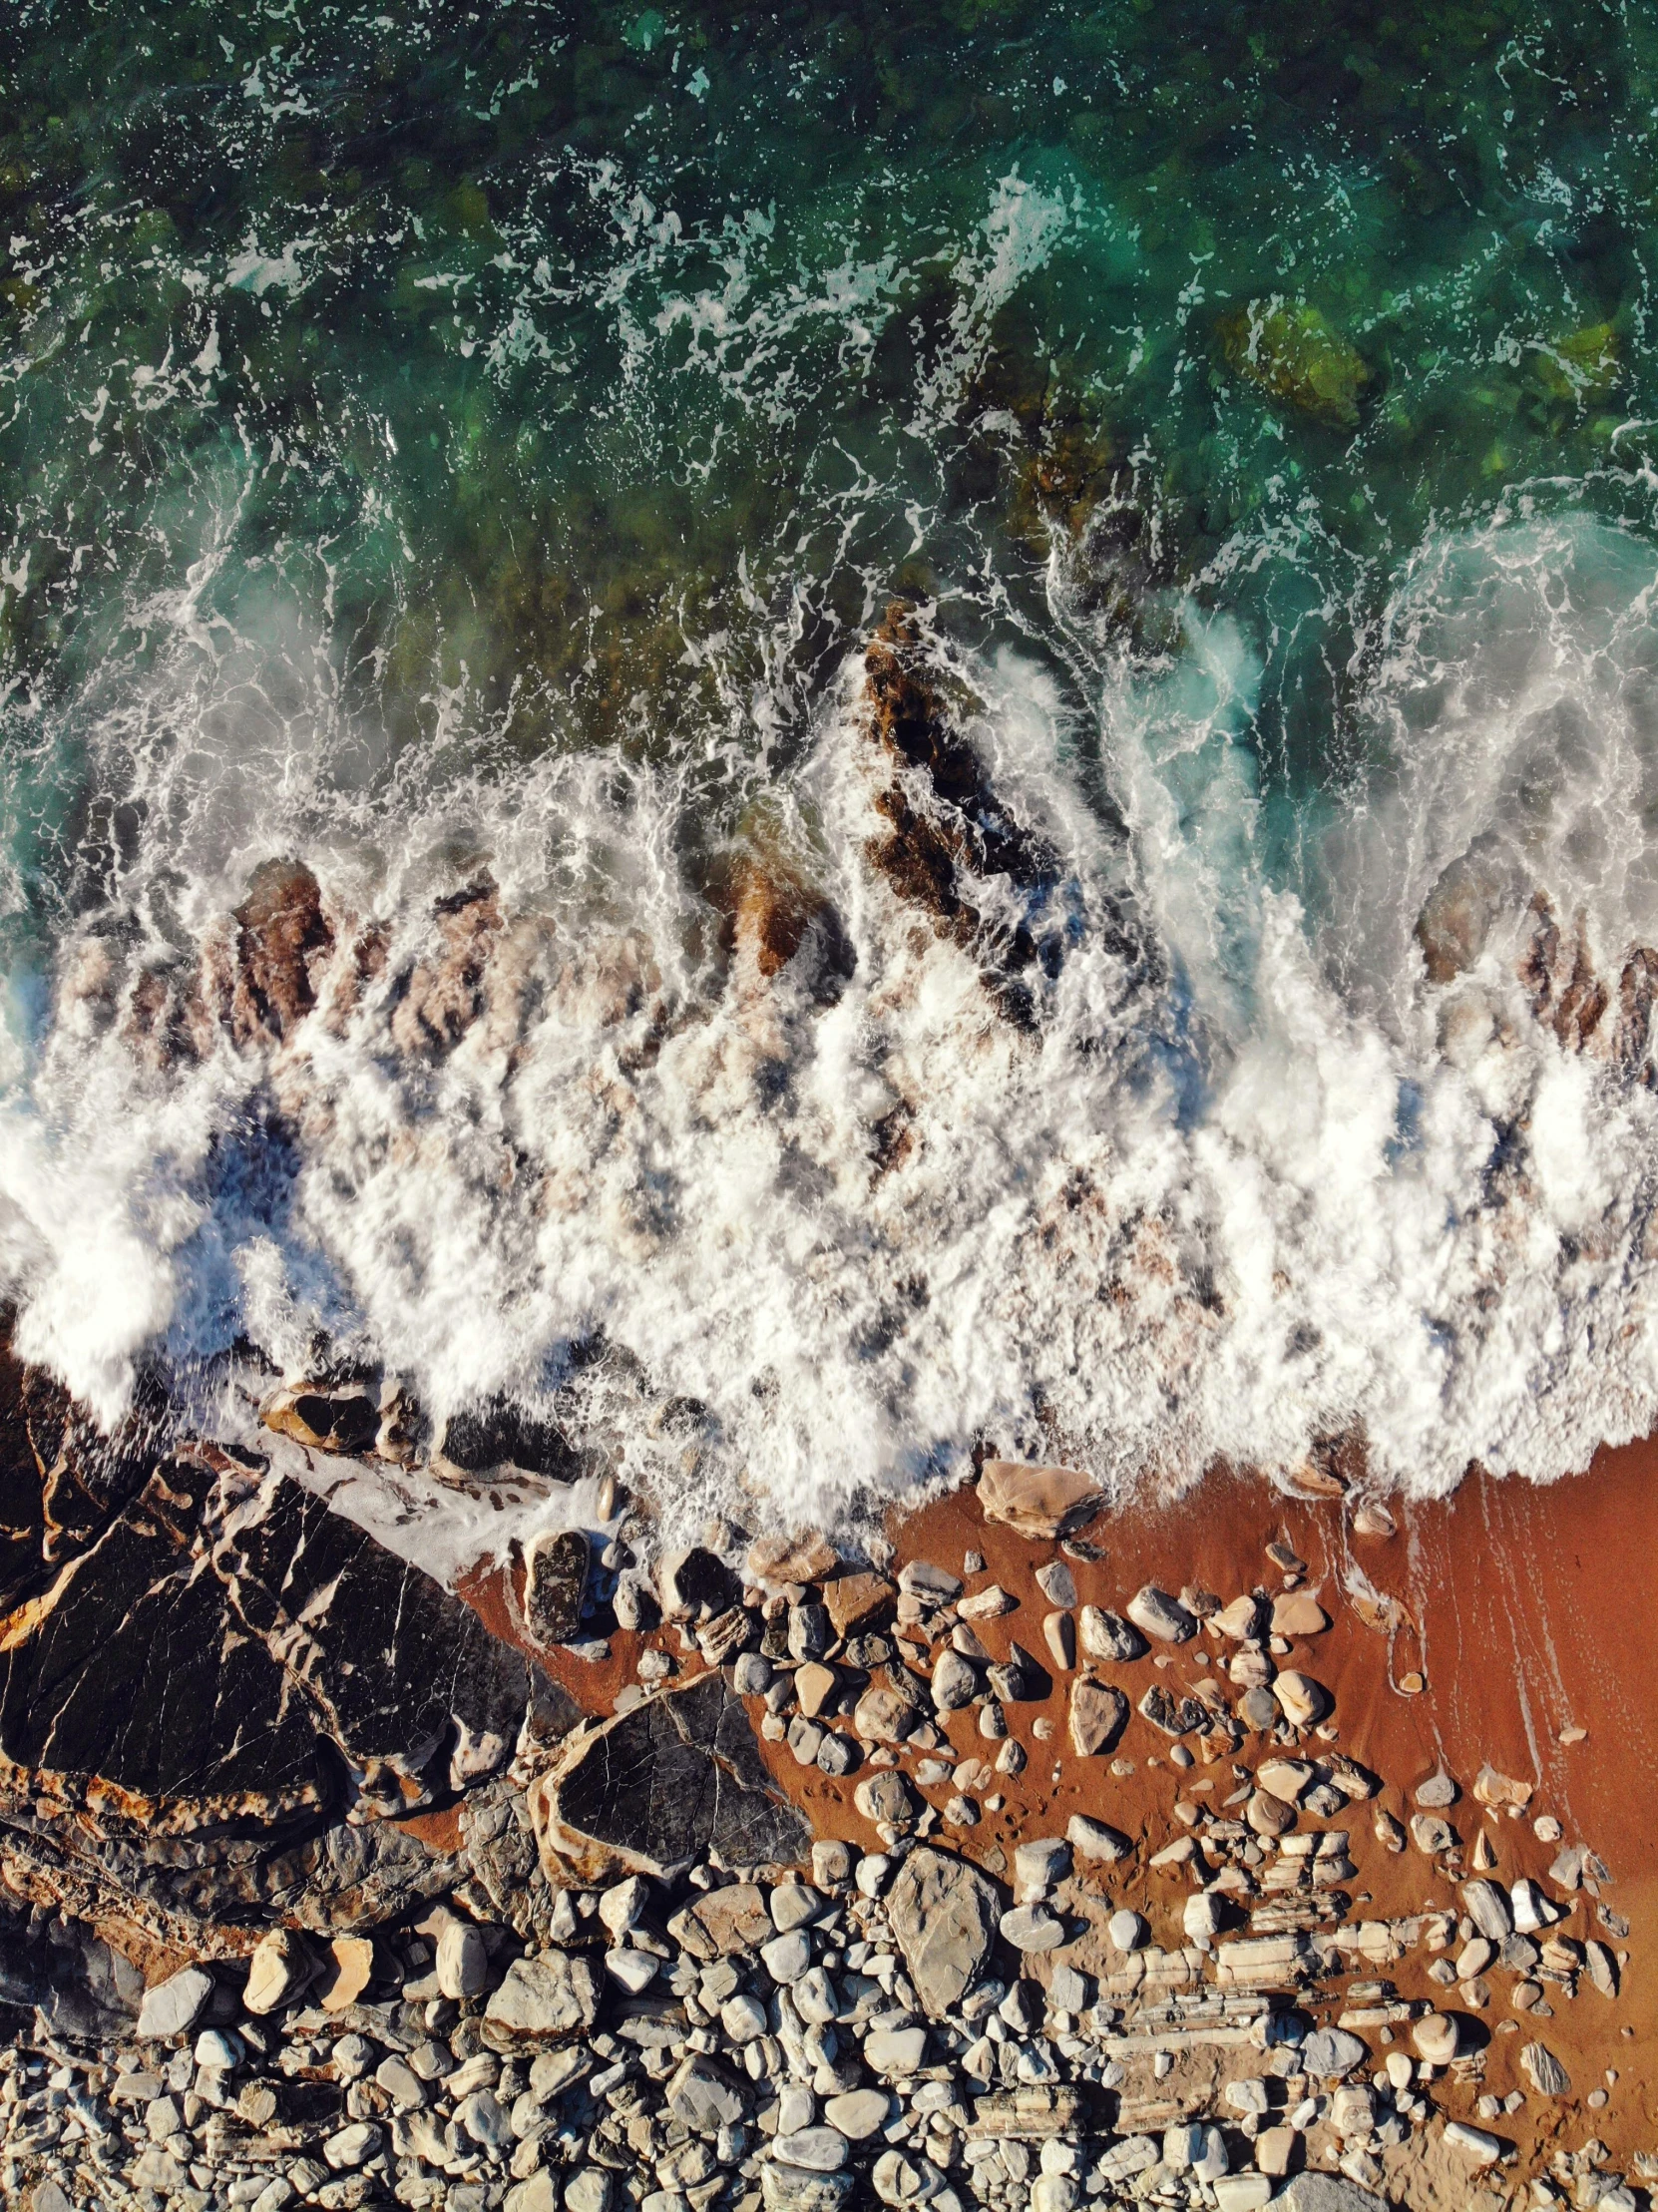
x=946 y=722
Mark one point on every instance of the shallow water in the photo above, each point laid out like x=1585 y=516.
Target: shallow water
x=440 y=447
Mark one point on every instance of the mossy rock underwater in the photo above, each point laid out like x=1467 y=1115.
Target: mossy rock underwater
x=1289 y=351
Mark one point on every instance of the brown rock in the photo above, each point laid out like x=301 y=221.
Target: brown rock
x=283 y=942
x=885 y=1716
x=814 y=1686
x=857 y=1601
x=725 y=1922
x=353 y=1969
x=1298 y=1613
x=1059 y=1632
x=1045 y=1503
x=1491 y=1787
x=806 y=1557
x=1274 y=2148
x=1098 y=1715
x=443 y=995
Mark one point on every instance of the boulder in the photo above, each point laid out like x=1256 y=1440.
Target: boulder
x=944 y=1914
x=1330 y=2052
x=857 y=1601
x=954 y=1683
x=676 y=1780
x=799 y=1560
x=1044 y=1503
x=462 y=1962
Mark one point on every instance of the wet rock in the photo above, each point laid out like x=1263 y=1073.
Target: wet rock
x=857 y=1601
x=283 y=942
x=1487 y=1905
x=1098 y=1716
x=438 y=1000
x=554 y=1583
x=1160 y=1616
x=1288 y=351
x=695 y=1586
x=954 y=1683
x=1298 y=1613
x=499 y=1432
x=1107 y=1635
x=1057 y=1583
x=797 y=1560
x=944 y=1914
x=325 y=1418
x=1043 y=1503
x=676 y=1780
x=1172 y=1716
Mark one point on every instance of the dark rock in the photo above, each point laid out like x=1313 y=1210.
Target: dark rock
x=1176 y=1716
x=696 y=1584
x=499 y=1432
x=282 y=943
x=325 y=1419
x=82 y=1986
x=946 y=829
x=676 y=1780
x=554 y=1582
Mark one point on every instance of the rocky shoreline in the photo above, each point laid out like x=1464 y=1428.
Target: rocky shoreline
x=318 y=1890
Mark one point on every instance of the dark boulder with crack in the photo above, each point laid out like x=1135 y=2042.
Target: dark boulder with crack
x=554 y=1583
x=675 y=1780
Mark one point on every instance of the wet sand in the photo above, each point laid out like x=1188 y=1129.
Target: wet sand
x=1526 y=1610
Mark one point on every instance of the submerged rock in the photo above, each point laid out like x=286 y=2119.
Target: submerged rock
x=283 y=941
x=1287 y=350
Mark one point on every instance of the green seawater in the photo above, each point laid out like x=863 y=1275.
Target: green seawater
x=548 y=376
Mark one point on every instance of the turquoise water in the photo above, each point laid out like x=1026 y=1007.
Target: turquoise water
x=438 y=440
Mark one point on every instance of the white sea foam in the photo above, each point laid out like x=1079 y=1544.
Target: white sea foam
x=1273 y=1188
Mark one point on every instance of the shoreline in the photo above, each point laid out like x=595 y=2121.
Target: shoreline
x=1519 y=1610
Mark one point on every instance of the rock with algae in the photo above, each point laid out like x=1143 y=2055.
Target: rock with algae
x=1288 y=351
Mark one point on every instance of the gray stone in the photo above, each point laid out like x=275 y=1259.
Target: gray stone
x=703 y=2094
x=944 y=1914
x=1330 y=2052
x=954 y=1683
x=1320 y=2192
x=1160 y=1616
x=1092 y=1839
x=895 y=2051
x=352 y=2146
x=799 y=2189
x=552 y=1995
x=462 y=1962
x=174 y=2006
x=1544 y=2072
x=887 y=1799
x=1107 y=1635
x=1057 y=1583
x=786 y=1958
x=1438 y=1794
x=589 y=2190
x=823 y=2149
x=921 y=1578
x=1041 y=1862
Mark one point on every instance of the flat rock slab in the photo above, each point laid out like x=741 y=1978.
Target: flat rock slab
x=944 y=1914
x=1316 y=2192
x=676 y=1780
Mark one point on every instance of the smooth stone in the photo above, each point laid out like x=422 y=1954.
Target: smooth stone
x=1092 y=1839
x=823 y=2151
x=1286 y=1778
x=1240 y=1620
x=282 y=1965
x=1059 y=1634
x=554 y=1583
x=703 y=2095
x=921 y=1578
x=885 y=1716
x=799 y=2189
x=1044 y=1503
x=1242 y=2192
x=787 y=1958
x=1330 y=2052
x=1041 y=1862
x=887 y=1799
x=795 y=1904
x=352 y=2146
x=1298 y=1613
x=857 y=1601
x=1127 y=1930
x=174 y=2006
x=895 y=2051
x=986 y=1605
x=634 y=1969
x=1057 y=1583
x=858 y=2113
x=354 y=1970
x=1438 y=1794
